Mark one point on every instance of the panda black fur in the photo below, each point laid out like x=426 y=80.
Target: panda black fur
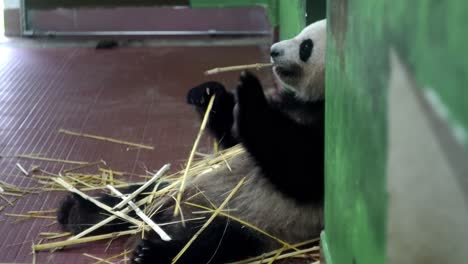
x=283 y=134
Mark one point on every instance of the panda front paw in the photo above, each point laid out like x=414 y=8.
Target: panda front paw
x=200 y=95
x=142 y=253
x=250 y=93
x=147 y=252
x=251 y=109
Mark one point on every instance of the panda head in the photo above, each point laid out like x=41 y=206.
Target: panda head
x=299 y=63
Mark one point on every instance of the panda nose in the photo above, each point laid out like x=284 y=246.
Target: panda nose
x=275 y=53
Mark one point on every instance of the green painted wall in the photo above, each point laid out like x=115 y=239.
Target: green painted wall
x=430 y=37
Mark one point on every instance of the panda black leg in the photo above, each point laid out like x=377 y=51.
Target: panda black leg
x=221 y=118
x=76 y=214
x=223 y=241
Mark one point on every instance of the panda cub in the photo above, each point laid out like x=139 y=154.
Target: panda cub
x=283 y=134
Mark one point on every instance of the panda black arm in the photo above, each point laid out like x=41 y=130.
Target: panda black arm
x=221 y=118
x=290 y=154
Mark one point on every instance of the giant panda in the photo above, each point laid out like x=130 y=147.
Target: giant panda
x=283 y=135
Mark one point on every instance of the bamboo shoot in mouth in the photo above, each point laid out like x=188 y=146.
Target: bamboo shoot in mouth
x=256 y=66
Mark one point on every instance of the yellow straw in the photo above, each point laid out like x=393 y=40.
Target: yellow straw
x=192 y=153
x=68 y=132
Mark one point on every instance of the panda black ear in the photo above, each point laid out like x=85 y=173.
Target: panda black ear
x=305 y=50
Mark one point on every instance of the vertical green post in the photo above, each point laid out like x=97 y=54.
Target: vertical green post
x=292 y=17
x=356 y=147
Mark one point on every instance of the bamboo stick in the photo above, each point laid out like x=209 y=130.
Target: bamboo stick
x=105 y=221
x=272 y=253
x=33 y=254
x=113 y=217
x=23 y=156
x=68 y=132
x=124 y=254
x=286 y=255
x=96 y=258
x=11 y=186
x=163 y=235
x=6 y=200
x=275 y=257
x=43 y=212
x=31 y=216
x=24 y=171
x=256 y=66
x=85 y=166
x=70 y=188
x=12 y=194
x=83 y=240
x=164 y=168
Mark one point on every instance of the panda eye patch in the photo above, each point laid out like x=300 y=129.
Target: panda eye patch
x=305 y=50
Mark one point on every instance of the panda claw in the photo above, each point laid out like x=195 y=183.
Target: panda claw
x=247 y=76
x=243 y=74
x=141 y=252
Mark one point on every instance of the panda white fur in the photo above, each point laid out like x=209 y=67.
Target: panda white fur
x=283 y=134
